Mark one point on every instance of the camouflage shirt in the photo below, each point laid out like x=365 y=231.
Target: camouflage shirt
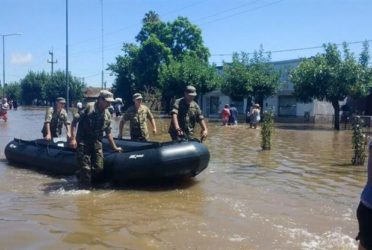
x=56 y=120
x=92 y=124
x=138 y=121
x=187 y=115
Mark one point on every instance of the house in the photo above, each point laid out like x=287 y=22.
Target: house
x=284 y=105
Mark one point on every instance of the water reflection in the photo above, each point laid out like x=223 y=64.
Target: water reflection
x=302 y=194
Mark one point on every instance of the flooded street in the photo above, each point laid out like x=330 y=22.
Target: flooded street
x=300 y=195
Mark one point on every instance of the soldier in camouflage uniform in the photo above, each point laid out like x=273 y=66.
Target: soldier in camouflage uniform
x=93 y=121
x=185 y=113
x=137 y=116
x=55 y=118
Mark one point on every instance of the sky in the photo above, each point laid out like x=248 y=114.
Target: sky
x=290 y=29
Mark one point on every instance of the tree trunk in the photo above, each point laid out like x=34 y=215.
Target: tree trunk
x=336 y=107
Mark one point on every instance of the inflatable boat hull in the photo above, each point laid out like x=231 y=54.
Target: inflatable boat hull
x=139 y=160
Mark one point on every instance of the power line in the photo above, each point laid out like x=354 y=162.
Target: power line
x=242 y=12
x=133 y=25
x=296 y=49
x=228 y=10
x=170 y=12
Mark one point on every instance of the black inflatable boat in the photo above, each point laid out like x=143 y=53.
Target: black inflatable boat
x=139 y=160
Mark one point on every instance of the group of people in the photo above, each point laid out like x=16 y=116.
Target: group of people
x=89 y=124
x=229 y=115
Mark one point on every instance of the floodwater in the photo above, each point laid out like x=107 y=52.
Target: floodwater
x=302 y=194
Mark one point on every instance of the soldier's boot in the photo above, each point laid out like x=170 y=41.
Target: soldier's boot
x=85 y=180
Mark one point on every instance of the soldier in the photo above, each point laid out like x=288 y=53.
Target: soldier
x=137 y=116
x=93 y=121
x=185 y=113
x=55 y=118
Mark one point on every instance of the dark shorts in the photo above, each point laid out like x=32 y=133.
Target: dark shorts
x=364 y=215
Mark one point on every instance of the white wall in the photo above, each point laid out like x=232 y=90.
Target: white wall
x=271 y=103
x=304 y=107
x=323 y=108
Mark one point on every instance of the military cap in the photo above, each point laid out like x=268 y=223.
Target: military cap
x=137 y=96
x=107 y=95
x=61 y=100
x=191 y=90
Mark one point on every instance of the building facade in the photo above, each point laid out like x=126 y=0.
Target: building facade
x=284 y=104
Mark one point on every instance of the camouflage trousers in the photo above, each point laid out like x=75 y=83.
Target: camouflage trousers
x=53 y=132
x=176 y=137
x=90 y=162
x=138 y=138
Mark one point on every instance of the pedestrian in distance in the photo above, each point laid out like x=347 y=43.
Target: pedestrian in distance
x=255 y=116
x=4 y=107
x=55 y=118
x=185 y=114
x=137 y=115
x=76 y=113
x=92 y=123
x=117 y=106
x=364 y=211
x=233 y=119
x=225 y=115
x=15 y=104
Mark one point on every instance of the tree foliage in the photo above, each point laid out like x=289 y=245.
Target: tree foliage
x=31 y=87
x=267 y=130
x=359 y=141
x=12 y=91
x=250 y=77
x=332 y=76
x=162 y=47
x=175 y=76
x=44 y=87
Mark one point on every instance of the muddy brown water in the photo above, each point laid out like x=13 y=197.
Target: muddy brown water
x=302 y=194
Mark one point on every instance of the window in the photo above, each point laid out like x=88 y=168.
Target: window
x=287 y=106
x=214 y=103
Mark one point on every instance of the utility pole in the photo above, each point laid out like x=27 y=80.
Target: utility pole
x=103 y=84
x=67 y=83
x=5 y=35
x=51 y=61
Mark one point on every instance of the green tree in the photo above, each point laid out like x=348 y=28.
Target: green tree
x=42 y=87
x=236 y=81
x=31 y=87
x=191 y=70
x=13 y=91
x=264 y=79
x=359 y=141
x=250 y=77
x=146 y=65
x=125 y=82
x=267 y=130
x=56 y=87
x=159 y=44
x=331 y=77
x=187 y=40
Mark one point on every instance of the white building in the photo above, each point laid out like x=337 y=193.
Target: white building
x=283 y=104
